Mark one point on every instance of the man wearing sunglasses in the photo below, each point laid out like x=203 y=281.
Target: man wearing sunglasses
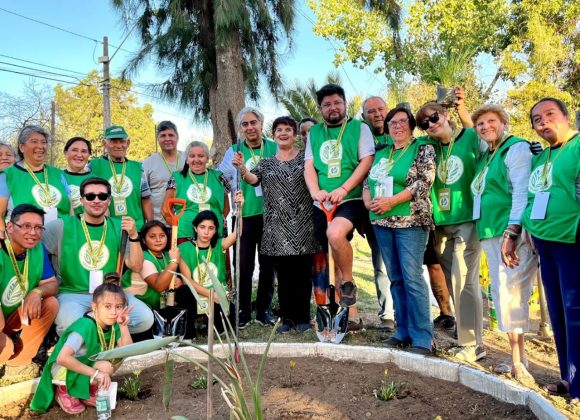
x=84 y=248
x=27 y=290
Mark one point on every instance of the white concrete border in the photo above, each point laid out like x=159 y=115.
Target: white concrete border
x=477 y=380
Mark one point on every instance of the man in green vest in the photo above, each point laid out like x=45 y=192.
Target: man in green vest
x=27 y=289
x=339 y=154
x=131 y=195
x=86 y=247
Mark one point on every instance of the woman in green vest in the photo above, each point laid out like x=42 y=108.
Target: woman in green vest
x=396 y=193
x=202 y=188
x=155 y=276
x=77 y=152
x=456 y=242
x=500 y=190
x=552 y=217
x=32 y=181
x=7 y=155
x=76 y=376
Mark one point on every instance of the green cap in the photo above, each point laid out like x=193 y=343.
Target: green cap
x=116 y=132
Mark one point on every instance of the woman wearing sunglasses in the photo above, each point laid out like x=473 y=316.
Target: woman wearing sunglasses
x=456 y=242
x=396 y=193
x=77 y=152
x=500 y=190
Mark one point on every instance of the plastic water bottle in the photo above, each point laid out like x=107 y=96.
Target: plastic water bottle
x=103 y=405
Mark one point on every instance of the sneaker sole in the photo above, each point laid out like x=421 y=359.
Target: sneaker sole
x=264 y=324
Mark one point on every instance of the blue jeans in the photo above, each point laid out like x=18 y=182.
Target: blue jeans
x=403 y=249
x=74 y=305
x=382 y=282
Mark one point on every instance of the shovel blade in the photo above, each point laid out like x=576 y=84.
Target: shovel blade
x=331 y=323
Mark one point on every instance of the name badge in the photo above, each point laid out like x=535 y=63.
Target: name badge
x=258 y=191
x=202 y=305
x=476 y=206
x=334 y=168
x=24 y=321
x=540 y=205
x=51 y=213
x=120 y=205
x=444 y=199
x=95 y=279
x=203 y=207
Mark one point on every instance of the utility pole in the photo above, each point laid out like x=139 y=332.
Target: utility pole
x=106 y=84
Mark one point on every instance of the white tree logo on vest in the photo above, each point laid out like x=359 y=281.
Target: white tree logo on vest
x=206 y=281
x=196 y=194
x=12 y=294
x=126 y=188
x=381 y=169
x=478 y=189
x=536 y=183
x=87 y=261
x=46 y=200
x=454 y=170
x=75 y=195
x=328 y=151
x=252 y=162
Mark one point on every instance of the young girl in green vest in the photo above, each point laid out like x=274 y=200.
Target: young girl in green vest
x=76 y=377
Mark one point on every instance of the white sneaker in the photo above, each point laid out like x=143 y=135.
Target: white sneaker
x=469 y=353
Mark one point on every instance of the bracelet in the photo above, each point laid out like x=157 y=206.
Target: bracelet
x=173 y=260
x=134 y=240
x=94 y=376
x=37 y=290
x=345 y=190
x=510 y=234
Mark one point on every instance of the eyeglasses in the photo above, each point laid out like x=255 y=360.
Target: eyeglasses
x=100 y=196
x=398 y=123
x=30 y=228
x=433 y=118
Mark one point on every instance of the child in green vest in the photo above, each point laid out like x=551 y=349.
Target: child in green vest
x=76 y=377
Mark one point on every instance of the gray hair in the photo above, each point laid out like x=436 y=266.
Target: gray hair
x=27 y=131
x=165 y=125
x=197 y=143
x=370 y=98
x=247 y=110
x=9 y=147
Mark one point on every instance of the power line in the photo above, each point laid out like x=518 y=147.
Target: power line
x=46 y=78
x=40 y=70
x=41 y=64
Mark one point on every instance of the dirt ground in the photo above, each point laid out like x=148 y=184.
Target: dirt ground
x=319 y=389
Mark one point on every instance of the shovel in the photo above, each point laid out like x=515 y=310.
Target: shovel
x=170 y=301
x=331 y=319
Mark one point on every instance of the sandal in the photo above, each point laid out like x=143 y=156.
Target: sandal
x=561 y=388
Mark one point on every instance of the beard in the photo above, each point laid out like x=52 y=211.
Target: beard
x=335 y=118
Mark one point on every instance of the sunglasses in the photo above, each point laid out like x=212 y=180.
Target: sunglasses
x=433 y=118
x=100 y=196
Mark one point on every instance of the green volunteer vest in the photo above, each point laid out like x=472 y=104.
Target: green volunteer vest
x=217 y=262
x=253 y=204
x=10 y=292
x=24 y=190
x=194 y=196
x=324 y=149
x=399 y=172
x=74 y=181
x=151 y=297
x=496 y=199
x=77 y=385
x=563 y=212
x=75 y=261
x=130 y=190
x=460 y=172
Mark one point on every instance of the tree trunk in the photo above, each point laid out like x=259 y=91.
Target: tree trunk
x=489 y=89
x=227 y=97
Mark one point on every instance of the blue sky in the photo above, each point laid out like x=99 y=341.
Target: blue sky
x=310 y=57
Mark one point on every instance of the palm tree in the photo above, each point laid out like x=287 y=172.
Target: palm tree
x=213 y=52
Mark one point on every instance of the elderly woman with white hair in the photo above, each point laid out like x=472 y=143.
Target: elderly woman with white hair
x=201 y=187
x=499 y=191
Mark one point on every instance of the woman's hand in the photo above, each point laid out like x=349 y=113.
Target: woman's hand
x=104 y=380
x=104 y=366
x=123 y=316
x=239 y=198
x=238 y=161
x=381 y=205
x=174 y=254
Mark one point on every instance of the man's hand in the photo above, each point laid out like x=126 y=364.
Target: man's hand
x=459 y=97
x=321 y=196
x=508 y=253
x=337 y=195
x=32 y=305
x=128 y=225
x=381 y=205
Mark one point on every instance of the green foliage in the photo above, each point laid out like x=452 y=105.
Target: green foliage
x=168 y=384
x=387 y=392
x=199 y=382
x=452 y=67
x=132 y=386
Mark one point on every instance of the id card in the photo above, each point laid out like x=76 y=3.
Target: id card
x=203 y=207
x=258 y=191
x=540 y=205
x=24 y=321
x=387 y=186
x=444 y=199
x=476 y=206
x=202 y=306
x=95 y=279
x=120 y=205
x=334 y=168
x=50 y=214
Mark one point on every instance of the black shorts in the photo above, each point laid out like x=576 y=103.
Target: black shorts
x=430 y=257
x=353 y=210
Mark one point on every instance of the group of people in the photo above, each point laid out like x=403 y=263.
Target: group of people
x=437 y=199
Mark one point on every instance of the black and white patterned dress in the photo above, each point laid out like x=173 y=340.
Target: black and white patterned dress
x=288 y=228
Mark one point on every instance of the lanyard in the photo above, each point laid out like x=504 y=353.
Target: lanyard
x=339 y=139
x=44 y=187
x=254 y=156
x=445 y=160
x=548 y=164
x=156 y=260
x=478 y=182
x=102 y=339
x=201 y=274
x=94 y=254
x=21 y=277
x=204 y=191
x=167 y=163
x=118 y=184
x=391 y=163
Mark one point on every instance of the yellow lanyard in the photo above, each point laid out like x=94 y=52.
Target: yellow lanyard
x=478 y=182
x=204 y=191
x=254 y=156
x=118 y=184
x=391 y=163
x=445 y=160
x=102 y=339
x=201 y=274
x=21 y=278
x=339 y=138
x=44 y=187
x=167 y=163
x=155 y=258
x=94 y=254
x=548 y=164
